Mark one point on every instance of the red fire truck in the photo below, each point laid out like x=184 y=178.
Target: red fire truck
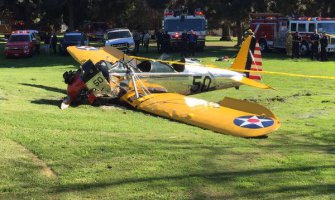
x=271 y=30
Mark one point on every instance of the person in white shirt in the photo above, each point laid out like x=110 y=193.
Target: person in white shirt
x=146 y=40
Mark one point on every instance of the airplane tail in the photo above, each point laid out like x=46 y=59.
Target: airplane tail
x=249 y=58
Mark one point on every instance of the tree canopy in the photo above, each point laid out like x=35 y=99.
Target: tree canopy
x=148 y=14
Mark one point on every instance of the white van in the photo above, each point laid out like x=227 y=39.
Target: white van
x=120 y=38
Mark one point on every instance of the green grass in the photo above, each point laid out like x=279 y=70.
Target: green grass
x=89 y=152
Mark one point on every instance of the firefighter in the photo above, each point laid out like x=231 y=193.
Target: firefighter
x=289 y=44
x=315 y=38
x=296 y=45
x=192 y=42
x=324 y=44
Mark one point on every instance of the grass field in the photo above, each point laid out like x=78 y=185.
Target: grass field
x=90 y=152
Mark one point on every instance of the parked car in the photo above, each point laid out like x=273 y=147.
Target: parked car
x=72 y=39
x=120 y=38
x=22 y=43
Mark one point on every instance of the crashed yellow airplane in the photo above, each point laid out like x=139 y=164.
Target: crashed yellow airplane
x=159 y=87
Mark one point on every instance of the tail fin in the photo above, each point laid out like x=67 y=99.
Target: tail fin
x=249 y=58
x=242 y=55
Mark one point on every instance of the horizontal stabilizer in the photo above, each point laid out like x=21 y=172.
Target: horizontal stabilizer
x=250 y=82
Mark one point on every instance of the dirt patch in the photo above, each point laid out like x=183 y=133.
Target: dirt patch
x=2 y=97
x=273 y=99
x=45 y=170
x=281 y=99
x=112 y=107
x=306 y=94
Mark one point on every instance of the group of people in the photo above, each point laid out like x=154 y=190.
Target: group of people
x=293 y=42
x=187 y=44
x=163 y=42
x=143 y=38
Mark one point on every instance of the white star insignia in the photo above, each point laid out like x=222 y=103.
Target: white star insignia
x=253 y=120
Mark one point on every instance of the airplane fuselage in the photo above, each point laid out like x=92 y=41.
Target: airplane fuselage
x=193 y=79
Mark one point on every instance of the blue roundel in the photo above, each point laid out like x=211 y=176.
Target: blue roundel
x=253 y=122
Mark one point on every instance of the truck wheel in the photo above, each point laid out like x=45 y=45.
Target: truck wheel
x=264 y=46
x=304 y=49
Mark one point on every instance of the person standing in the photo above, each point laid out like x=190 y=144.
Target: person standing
x=47 y=43
x=296 y=45
x=146 y=41
x=166 y=42
x=184 y=44
x=137 y=40
x=324 y=44
x=315 y=38
x=53 y=42
x=142 y=37
x=289 y=44
x=159 y=38
x=192 y=40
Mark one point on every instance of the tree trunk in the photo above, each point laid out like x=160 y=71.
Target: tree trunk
x=239 y=32
x=226 y=31
x=71 y=15
x=27 y=14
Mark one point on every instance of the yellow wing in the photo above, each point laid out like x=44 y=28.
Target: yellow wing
x=230 y=116
x=83 y=53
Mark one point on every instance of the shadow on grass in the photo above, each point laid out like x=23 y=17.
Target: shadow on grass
x=217 y=177
x=280 y=177
x=41 y=60
x=38 y=60
x=48 y=88
x=51 y=102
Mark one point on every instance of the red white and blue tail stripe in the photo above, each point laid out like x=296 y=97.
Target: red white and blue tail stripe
x=256 y=64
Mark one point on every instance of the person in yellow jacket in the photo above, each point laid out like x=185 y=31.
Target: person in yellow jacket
x=289 y=39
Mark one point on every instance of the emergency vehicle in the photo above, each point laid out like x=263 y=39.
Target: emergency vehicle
x=22 y=43
x=271 y=30
x=175 y=22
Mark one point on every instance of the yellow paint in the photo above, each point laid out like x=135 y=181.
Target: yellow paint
x=250 y=82
x=109 y=54
x=204 y=114
x=242 y=56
